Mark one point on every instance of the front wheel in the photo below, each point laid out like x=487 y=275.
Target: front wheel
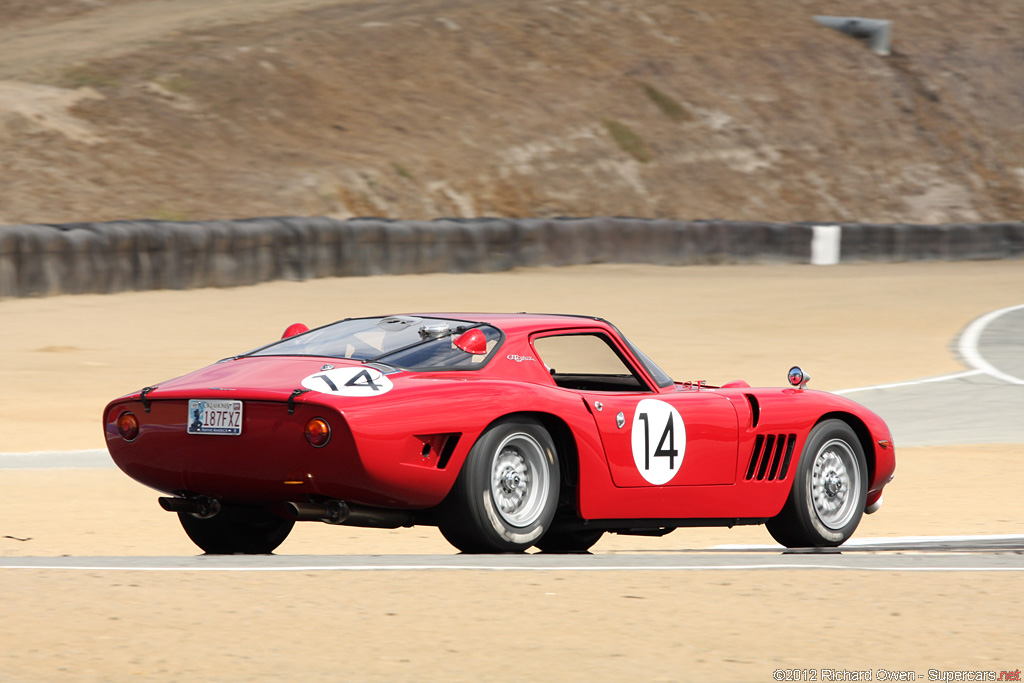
x=829 y=490
x=249 y=531
x=506 y=494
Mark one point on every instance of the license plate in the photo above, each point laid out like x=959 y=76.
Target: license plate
x=215 y=417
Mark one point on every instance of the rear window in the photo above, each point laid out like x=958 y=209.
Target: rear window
x=408 y=342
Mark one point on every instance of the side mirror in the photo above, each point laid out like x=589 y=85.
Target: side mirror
x=798 y=378
x=294 y=329
x=472 y=341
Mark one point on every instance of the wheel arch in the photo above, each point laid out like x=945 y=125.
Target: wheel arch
x=863 y=436
x=475 y=523
x=565 y=443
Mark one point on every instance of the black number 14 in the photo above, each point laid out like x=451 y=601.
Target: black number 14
x=663 y=450
x=363 y=375
x=354 y=382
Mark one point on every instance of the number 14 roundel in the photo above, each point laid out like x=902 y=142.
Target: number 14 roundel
x=659 y=440
x=350 y=381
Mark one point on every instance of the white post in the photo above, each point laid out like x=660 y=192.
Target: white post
x=825 y=245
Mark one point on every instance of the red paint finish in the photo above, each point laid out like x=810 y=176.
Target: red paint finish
x=708 y=455
x=399 y=436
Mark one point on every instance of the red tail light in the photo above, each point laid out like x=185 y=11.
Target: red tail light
x=318 y=432
x=128 y=426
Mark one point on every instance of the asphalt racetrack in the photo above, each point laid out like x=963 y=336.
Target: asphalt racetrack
x=97 y=584
x=981 y=405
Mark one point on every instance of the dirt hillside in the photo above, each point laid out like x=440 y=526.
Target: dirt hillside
x=209 y=109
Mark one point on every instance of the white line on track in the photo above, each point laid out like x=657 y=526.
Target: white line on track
x=500 y=568
x=82 y=459
x=912 y=383
x=968 y=345
x=922 y=561
x=892 y=540
x=968 y=348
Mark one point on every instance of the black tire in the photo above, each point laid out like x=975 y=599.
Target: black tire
x=506 y=494
x=829 y=491
x=235 y=530
x=575 y=541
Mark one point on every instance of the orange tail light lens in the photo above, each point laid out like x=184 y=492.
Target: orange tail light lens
x=318 y=432
x=128 y=426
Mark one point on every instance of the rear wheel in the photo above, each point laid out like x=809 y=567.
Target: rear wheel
x=829 y=490
x=506 y=494
x=249 y=531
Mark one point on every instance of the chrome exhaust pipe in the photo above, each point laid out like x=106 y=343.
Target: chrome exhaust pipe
x=380 y=518
x=339 y=512
x=203 y=507
x=331 y=512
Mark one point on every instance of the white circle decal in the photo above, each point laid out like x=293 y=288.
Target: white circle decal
x=659 y=440
x=360 y=381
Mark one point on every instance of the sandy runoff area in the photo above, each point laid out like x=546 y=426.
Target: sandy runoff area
x=63 y=358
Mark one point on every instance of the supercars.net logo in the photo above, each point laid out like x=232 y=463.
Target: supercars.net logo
x=893 y=675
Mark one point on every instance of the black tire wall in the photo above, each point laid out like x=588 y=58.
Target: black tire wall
x=79 y=258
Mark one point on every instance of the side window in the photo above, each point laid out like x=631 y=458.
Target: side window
x=586 y=362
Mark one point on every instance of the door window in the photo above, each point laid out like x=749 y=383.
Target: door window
x=586 y=362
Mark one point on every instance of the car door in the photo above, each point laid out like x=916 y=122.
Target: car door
x=678 y=438
x=673 y=436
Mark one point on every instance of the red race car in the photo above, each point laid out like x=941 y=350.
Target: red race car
x=504 y=430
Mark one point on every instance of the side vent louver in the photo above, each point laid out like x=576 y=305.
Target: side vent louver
x=770 y=457
x=755 y=410
x=446 y=452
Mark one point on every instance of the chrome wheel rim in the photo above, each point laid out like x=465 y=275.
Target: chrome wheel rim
x=520 y=480
x=835 y=484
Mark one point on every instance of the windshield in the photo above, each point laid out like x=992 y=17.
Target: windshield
x=660 y=377
x=409 y=342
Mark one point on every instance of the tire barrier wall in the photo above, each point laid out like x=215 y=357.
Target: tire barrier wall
x=78 y=258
